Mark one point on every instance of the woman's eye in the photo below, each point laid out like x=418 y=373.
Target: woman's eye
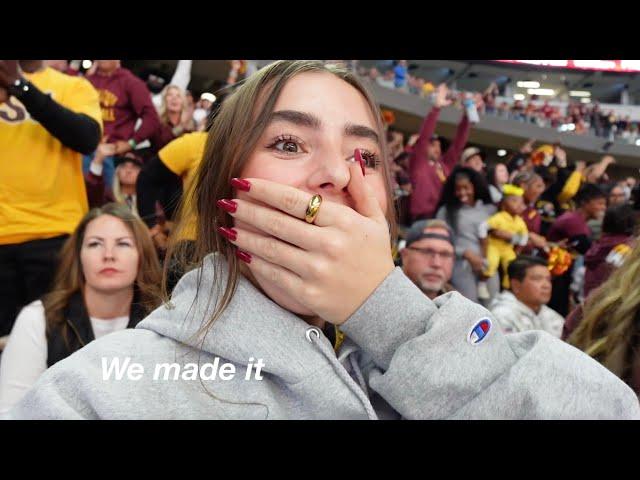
x=371 y=160
x=93 y=244
x=287 y=146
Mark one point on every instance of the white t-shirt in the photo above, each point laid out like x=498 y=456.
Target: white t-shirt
x=24 y=358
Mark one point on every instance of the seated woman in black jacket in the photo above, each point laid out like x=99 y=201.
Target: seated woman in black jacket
x=106 y=281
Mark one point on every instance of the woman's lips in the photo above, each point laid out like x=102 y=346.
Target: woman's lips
x=109 y=271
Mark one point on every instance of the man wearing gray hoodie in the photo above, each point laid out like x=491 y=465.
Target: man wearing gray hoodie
x=524 y=306
x=403 y=356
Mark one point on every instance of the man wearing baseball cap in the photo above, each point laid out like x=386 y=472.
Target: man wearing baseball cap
x=472 y=158
x=99 y=193
x=428 y=256
x=204 y=109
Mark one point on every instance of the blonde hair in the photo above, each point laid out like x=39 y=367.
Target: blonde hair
x=238 y=125
x=610 y=328
x=163 y=113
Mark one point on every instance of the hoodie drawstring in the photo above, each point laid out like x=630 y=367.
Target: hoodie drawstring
x=313 y=335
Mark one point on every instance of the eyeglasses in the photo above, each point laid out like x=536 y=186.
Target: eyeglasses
x=431 y=254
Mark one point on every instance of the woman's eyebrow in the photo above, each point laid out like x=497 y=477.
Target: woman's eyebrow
x=96 y=237
x=309 y=120
x=298 y=118
x=352 y=130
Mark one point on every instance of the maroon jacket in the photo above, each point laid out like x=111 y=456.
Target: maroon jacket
x=97 y=193
x=162 y=136
x=123 y=99
x=597 y=268
x=426 y=182
x=532 y=219
x=574 y=227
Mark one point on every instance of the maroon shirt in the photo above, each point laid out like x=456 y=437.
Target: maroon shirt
x=123 y=99
x=568 y=225
x=597 y=269
x=97 y=193
x=425 y=179
x=574 y=227
x=532 y=219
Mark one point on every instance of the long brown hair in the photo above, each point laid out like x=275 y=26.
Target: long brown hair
x=238 y=125
x=69 y=278
x=610 y=328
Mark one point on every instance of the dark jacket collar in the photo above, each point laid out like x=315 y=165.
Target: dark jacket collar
x=80 y=331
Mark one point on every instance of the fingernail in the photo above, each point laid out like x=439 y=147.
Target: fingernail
x=228 y=233
x=244 y=256
x=227 y=205
x=358 y=157
x=241 y=184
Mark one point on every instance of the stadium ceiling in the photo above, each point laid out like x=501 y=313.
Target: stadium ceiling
x=470 y=75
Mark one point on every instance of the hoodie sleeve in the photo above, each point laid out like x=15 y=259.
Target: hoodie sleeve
x=429 y=368
x=428 y=128
x=55 y=396
x=451 y=158
x=143 y=106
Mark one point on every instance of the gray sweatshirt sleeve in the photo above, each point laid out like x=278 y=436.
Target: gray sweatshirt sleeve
x=56 y=396
x=428 y=368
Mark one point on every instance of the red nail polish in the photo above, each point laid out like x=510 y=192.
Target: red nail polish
x=244 y=256
x=241 y=184
x=227 y=205
x=358 y=157
x=228 y=233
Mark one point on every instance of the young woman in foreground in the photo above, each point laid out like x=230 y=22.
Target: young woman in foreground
x=274 y=272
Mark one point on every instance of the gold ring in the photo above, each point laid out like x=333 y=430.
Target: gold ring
x=313 y=208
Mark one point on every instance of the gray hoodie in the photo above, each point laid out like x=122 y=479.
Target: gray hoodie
x=514 y=316
x=405 y=356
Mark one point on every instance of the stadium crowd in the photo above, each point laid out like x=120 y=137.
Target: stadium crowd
x=98 y=165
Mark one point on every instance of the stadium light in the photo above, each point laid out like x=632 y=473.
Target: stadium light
x=502 y=152
x=518 y=96
x=86 y=64
x=528 y=84
x=579 y=93
x=585 y=100
x=541 y=91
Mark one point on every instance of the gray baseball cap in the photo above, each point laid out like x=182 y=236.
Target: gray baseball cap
x=416 y=232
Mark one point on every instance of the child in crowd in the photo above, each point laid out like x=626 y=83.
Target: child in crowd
x=501 y=234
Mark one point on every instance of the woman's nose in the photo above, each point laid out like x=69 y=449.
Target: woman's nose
x=109 y=252
x=331 y=174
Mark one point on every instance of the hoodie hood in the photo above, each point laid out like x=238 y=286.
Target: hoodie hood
x=252 y=326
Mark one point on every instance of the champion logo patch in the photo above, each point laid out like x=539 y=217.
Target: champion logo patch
x=480 y=331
